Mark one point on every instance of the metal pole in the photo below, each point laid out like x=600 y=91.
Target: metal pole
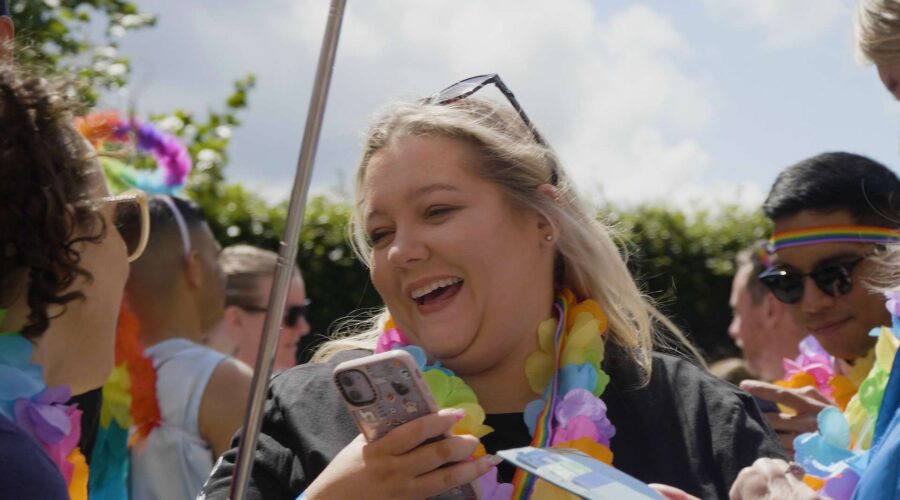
x=287 y=254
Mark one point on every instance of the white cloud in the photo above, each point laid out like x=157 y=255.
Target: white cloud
x=617 y=96
x=782 y=23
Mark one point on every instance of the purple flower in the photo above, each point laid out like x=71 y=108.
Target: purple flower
x=491 y=489
x=581 y=414
x=44 y=416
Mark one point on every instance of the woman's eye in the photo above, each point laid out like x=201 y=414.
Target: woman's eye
x=438 y=211
x=377 y=235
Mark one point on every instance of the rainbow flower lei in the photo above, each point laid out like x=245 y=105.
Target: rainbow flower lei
x=41 y=411
x=836 y=455
x=565 y=373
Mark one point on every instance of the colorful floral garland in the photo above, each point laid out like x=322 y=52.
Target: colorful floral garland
x=565 y=372
x=41 y=411
x=837 y=454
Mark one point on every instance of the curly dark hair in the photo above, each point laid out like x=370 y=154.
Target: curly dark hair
x=44 y=172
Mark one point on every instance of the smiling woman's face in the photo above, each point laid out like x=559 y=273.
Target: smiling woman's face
x=465 y=274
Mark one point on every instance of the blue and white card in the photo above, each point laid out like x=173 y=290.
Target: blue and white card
x=579 y=473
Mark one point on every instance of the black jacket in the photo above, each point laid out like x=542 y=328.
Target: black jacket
x=685 y=428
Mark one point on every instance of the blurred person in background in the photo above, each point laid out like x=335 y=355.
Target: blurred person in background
x=249 y=274
x=177 y=292
x=761 y=325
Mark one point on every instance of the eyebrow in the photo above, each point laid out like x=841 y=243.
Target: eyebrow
x=419 y=193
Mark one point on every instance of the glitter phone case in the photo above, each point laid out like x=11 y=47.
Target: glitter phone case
x=385 y=391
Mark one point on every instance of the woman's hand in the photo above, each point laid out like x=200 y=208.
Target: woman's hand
x=400 y=466
x=773 y=479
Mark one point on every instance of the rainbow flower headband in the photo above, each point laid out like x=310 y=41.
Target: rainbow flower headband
x=833 y=234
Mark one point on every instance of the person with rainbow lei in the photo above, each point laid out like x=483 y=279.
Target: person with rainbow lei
x=829 y=223
x=528 y=325
x=67 y=246
x=854 y=454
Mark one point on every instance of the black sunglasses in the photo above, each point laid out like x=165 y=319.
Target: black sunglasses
x=834 y=280
x=291 y=315
x=464 y=88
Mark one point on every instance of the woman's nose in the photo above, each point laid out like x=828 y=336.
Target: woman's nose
x=406 y=248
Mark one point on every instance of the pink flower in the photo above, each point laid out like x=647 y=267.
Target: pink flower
x=389 y=339
x=814 y=360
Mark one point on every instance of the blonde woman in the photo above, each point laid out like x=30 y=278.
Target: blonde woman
x=249 y=272
x=489 y=263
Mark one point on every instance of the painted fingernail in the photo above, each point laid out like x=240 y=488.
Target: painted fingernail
x=459 y=414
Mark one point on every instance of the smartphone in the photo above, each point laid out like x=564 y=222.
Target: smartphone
x=385 y=391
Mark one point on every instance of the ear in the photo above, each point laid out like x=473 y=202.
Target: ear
x=193 y=270
x=545 y=226
x=773 y=310
x=7 y=35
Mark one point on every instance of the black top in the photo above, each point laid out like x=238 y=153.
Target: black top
x=26 y=471
x=89 y=403
x=685 y=428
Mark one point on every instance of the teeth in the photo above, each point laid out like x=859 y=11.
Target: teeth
x=425 y=290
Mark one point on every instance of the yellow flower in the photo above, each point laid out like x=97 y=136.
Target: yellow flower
x=584 y=343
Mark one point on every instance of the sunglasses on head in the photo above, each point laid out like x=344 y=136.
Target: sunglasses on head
x=464 y=88
x=833 y=280
x=292 y=314
x=131 y=218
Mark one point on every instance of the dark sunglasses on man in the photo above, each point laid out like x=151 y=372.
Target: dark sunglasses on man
x=292 y=314
x=834 y=280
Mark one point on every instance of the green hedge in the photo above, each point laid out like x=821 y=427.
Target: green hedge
x=685 y=263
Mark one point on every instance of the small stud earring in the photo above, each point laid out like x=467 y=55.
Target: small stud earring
x=549 y=237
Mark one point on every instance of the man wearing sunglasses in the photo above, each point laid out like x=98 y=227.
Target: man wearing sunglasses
x=176 y=290
x=831 y=216
x=249 y=273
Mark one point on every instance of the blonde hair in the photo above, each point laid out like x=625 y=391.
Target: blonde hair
x=244 y=267
x=878 y=31
x=588 y=261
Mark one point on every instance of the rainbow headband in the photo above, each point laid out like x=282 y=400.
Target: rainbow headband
x=833 y=234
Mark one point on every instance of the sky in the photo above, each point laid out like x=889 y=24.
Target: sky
x=692 y=103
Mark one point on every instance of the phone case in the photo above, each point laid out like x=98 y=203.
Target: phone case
x=398 y=393
x=392 y=395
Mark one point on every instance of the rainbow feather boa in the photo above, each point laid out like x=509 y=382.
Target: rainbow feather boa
x=565 y=372
x=173 y=160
